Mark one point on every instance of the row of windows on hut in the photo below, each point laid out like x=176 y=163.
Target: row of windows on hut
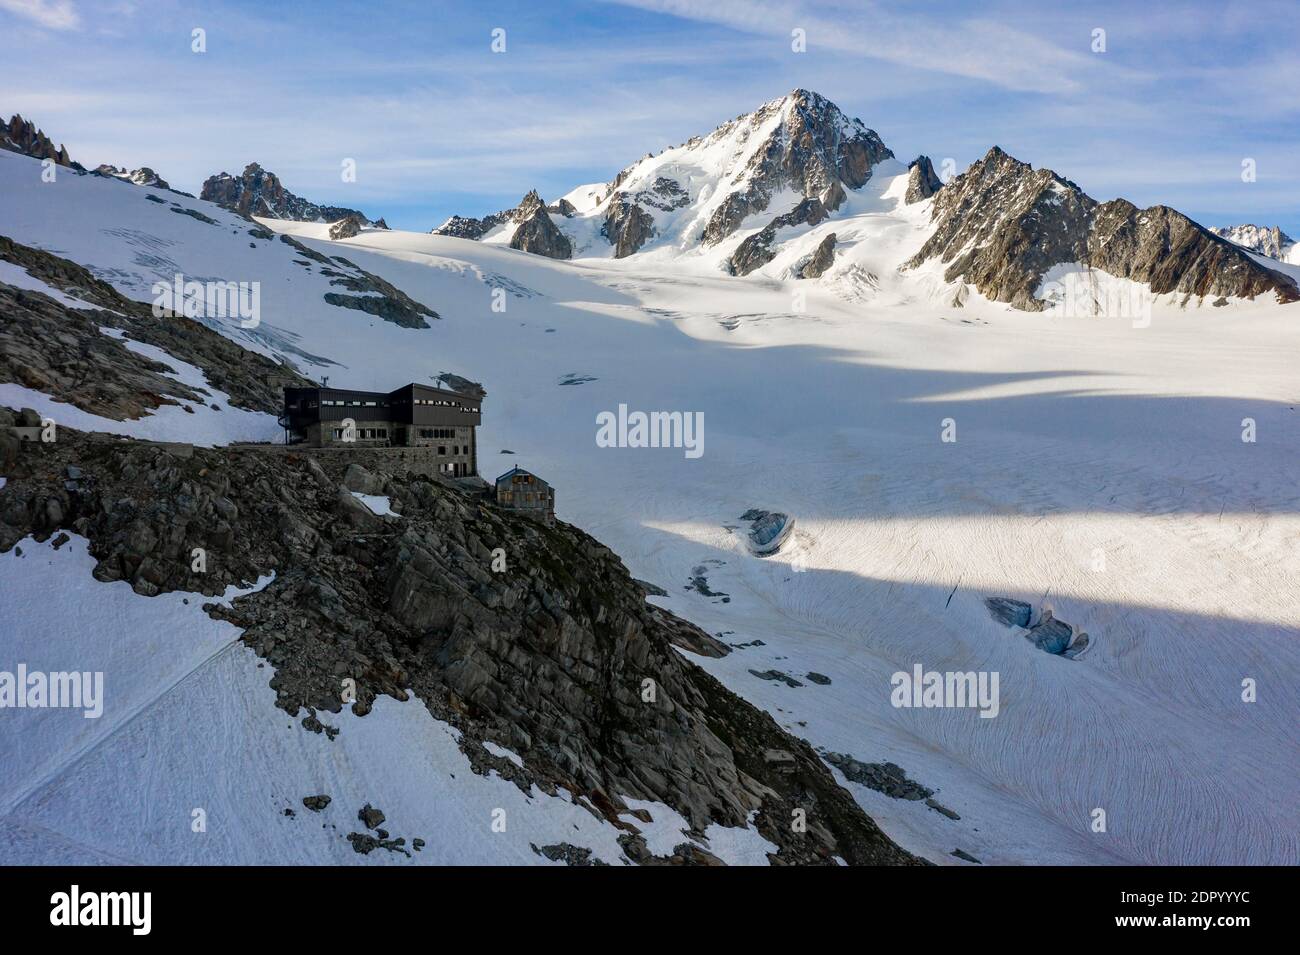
x=379 y=434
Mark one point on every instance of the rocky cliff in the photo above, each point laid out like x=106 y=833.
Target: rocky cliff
x=554 y=654
x=759 y=249
x=533 y=229
x=1002 y=225
x=922 y=183
x=258 y=192
x=536 y=232
x=22 y=136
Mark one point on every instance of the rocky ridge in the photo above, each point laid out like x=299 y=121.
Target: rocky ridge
x=61 y=351
x=258 y=192
x=22 y=136
x=373 y=295
x=1002 y=225
x=144 y=176
x=534 y=230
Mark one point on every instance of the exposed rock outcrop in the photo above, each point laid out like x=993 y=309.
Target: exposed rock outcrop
x=345 y=228
x=536 y=232
x=144 y=176
x=463 y=227
x=887 y=778
x=22 y=136
x=258 y=192
x=58 y=350
x=462 y=385
x=922 y=183
x=759 y=249
x=664 y=194
x=1002 y=225
x=823 y=258
x=550 y=658
x=374 y=295
x=627 y=226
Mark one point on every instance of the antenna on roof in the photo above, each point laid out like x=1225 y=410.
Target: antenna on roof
x=324 y=382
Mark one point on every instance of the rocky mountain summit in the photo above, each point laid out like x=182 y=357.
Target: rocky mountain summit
x=258 y=192
x=1002 y=225
x=1264 y=240
x=532 y=230
x=22 y=136
x=536 y=232
x=804 y=144
x=922 y=183
x=797 y=148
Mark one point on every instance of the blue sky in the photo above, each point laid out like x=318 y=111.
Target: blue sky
x=438 y=123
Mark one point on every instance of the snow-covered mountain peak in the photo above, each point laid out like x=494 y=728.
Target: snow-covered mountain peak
x=736 y=148
x=701 y=191
x=1262 y=240
x=690 y=198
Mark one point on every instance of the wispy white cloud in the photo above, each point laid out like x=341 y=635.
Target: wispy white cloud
x=989 y=50
x=51 y=14
x=438 y=124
